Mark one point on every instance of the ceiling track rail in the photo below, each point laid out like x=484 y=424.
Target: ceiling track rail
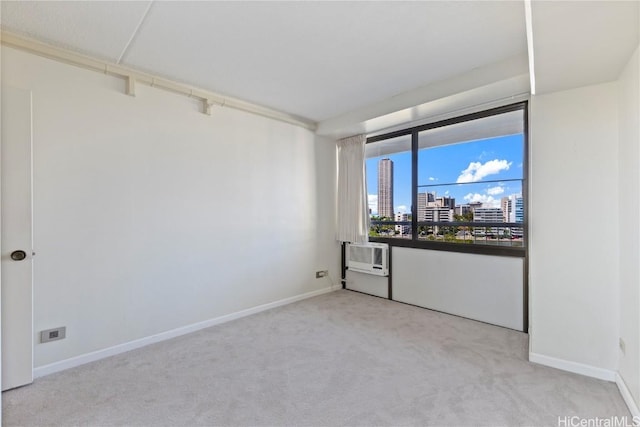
x=132 y=77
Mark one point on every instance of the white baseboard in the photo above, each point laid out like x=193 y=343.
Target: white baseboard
x=575 y=367
x=163 y=336
x=626 y=395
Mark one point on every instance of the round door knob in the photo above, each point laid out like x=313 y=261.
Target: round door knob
x=18 y=255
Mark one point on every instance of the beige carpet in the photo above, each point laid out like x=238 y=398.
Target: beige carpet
x=339 y=359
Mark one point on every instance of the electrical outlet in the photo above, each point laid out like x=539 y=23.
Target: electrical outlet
x=322 y=273
x=623 y=346
x=53 y=334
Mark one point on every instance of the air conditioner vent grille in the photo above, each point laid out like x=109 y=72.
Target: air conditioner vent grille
x=377 y=256
x=371 y=258
x=360 y=254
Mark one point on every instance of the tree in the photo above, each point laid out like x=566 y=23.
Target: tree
x=376 y=230
x=467 y=217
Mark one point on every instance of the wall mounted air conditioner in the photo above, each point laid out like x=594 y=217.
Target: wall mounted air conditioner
x=371 y=258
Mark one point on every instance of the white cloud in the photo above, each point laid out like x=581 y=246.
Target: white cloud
x=487 y=201
x=432 y=178
x=373 y=203
x=402 y=209
x=494 y=191
x=476 y=170
x=446 y=193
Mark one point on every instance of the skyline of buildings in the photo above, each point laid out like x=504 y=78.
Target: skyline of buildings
x=444 y=209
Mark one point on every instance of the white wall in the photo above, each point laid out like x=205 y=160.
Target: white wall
x=149 y=215
x=482 y=287
x=367 y=283
x=574 y=229
x=629 y=214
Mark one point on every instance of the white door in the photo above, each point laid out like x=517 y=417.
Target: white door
x=16 y=293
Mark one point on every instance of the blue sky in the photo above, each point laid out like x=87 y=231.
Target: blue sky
x=466 y=165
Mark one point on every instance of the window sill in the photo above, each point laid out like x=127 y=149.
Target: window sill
x=480 y=249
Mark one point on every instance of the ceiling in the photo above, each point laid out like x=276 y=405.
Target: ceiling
x=326 y=60
x=577 y=43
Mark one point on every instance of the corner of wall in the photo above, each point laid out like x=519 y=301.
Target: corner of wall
x=571 y=366
x=570 y=280
x=626 y=396
x=628 y=375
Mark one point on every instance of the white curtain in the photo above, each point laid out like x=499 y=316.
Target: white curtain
x=353 y=208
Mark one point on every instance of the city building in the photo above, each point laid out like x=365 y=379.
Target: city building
x=518 y=217
x=463 y=209
x=385 y=188
x=424 y=200
x=449 y=202
x=435 y=209
x=513 y=211
x=506 y=203
x=519 y=210
x=475 y=205
x=403 y=229
x=488 y=215
x=438 y=214
x=512 y=208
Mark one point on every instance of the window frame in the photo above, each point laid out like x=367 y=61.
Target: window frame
x=487 y=249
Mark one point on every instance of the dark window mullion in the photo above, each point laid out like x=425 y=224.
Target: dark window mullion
x=414 y=185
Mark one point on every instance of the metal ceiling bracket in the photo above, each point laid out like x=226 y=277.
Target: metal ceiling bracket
x=131 y=86
x=206 y=103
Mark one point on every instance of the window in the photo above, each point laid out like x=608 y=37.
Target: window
x=452 y=184
x=389 y=176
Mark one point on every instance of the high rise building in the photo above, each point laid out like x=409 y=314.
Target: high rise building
x=385 y=188
x=422 y=205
